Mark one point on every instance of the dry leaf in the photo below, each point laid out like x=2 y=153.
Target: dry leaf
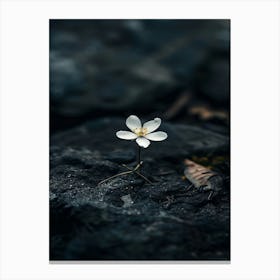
x=203 y=178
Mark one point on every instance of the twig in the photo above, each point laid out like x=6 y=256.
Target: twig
x=138 y=173
x=178 y=105
x=119 y=174
x=134 y=170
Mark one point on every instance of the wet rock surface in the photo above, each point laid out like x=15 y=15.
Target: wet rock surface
x=127 y=218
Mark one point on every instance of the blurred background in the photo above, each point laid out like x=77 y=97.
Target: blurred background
x=174 y=69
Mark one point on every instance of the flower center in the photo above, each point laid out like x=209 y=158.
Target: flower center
x=140 y=131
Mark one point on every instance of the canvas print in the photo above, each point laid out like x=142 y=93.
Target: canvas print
x=139 y=140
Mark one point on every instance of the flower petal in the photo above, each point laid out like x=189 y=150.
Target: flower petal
x=143 y=142
x=157 y=136
x=133 y=122
x=152 y=125
x=127 y=135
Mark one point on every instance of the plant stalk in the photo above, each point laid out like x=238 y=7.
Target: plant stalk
x=139 y=155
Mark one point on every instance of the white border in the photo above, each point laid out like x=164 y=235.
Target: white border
x=255 y=138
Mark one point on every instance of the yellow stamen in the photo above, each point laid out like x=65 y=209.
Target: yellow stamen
x=140 y=131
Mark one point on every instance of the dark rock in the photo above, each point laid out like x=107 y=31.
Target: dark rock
x=121 y=156
x=99 y=136
x=126 y=218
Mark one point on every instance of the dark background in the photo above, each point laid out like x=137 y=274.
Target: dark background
x=119 y=67
x=101 y=71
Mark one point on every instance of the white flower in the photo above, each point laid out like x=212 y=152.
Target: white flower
x=144 y=133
